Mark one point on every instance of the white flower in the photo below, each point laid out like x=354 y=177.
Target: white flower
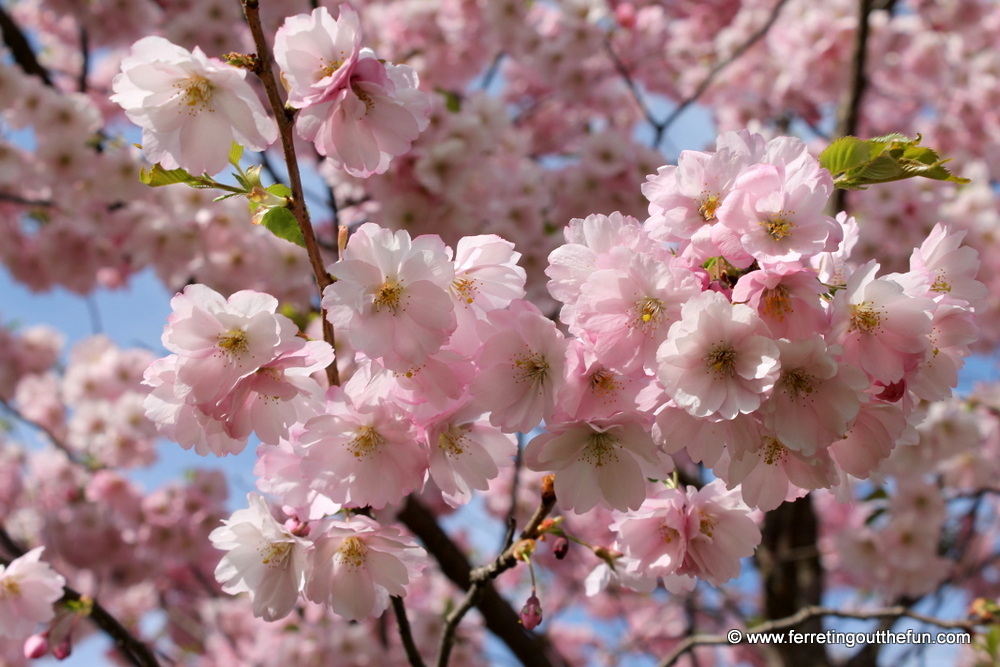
x=265 y=560
x=28 y=588
x=190 y=107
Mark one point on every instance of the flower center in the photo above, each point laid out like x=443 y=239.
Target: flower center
x=774 y=451
x=275 y=553
x=778 y=226
x=234 y=342
x=600 y=449
x=364 y=97
x=722 y=360
x=668 y=533
x=197 y=92
x=648 y=312
x=329 y=67
x=466 y=288
x=941 y=284
x=533 y=368
x=864 y=317
x=709 y=205
x=797 y=382
x=365 y=442
x=450 y=441
x=603 y=382
x=388 y=296
x=775 y=302
x=10 y=587
x=352 y=553
x=707 y=523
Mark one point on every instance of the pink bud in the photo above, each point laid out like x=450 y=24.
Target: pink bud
x=560 y=547
x=63 y=649
x=36 y=646
x=625 y=14
x=531 y=613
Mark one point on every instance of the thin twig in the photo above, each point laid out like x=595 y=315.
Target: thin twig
x=636 y=95
x=297 y=202
x=807 y=613
x=404 y=632
x=492 y=71
x=849 y=113
x=17 y=199
x=483 y=575
x=718 y=67
x=133 y=650
x=81 y=84
x=56 y=441
x=20 y=48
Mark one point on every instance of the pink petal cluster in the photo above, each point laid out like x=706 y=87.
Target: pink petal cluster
x=190 y=107
x=701 y=533
x=237 y=367
x=358 y=111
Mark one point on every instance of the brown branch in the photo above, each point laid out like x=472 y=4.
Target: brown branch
x=297 y=202
x=20 y=48
x=531 y=649
x=718 y=67
x=133 y=650
x=17 y=199
x=808 y=613
x=482 y=576
x=412 y=654
x=849 y=113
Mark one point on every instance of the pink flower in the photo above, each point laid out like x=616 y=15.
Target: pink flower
x=814 y=399
x=376 y=117
x=317 y=54
x=190 y=107
x=220 y=341
x=465 y=451
x=391 y=296
x=28 y=589
x=362 y=454
x=717 y=360
x=787 y=299
x=358 y=564
x=719 y=533
x=263 y=559
x=520 y=367
x=883 y=330
x=604 y=462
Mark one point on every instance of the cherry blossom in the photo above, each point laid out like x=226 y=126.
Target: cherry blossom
x=28 y=589
x=190 y=107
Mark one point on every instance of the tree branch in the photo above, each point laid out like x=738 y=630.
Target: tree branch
x=297 y=202
x=849 y=113
x=808 y=613
x=531 y=649
x=20 y=48
x=404 y=632
x=56 y=441
x=133 y=650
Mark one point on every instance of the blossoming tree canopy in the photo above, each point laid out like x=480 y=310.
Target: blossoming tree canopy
x=451 y=287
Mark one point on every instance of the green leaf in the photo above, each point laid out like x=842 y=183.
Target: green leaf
x=229 y=195
x=235 y=153
x=880 y=170
x=452 y=100
x=280 y=190
x=282 y=224
x=158 y=176
x=844 y=154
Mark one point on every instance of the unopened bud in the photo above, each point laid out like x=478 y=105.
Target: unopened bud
x=548 y=487
x=560 y=547
x=63 y=649
x=531 y=613
x=296 y=527
x=36 y=646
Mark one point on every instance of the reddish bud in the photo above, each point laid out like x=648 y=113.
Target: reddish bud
x=63 y=649
x=36 y=646
x=893 y=392
x=625 y=15
x=560 y=547
x=531 y=613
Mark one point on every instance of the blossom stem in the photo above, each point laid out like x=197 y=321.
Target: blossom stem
x=297 y=202
x=133 y=650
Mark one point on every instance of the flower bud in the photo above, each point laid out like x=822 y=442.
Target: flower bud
x=63 y=649
x=36 y=646
x=560 y=547
x=531 y=613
